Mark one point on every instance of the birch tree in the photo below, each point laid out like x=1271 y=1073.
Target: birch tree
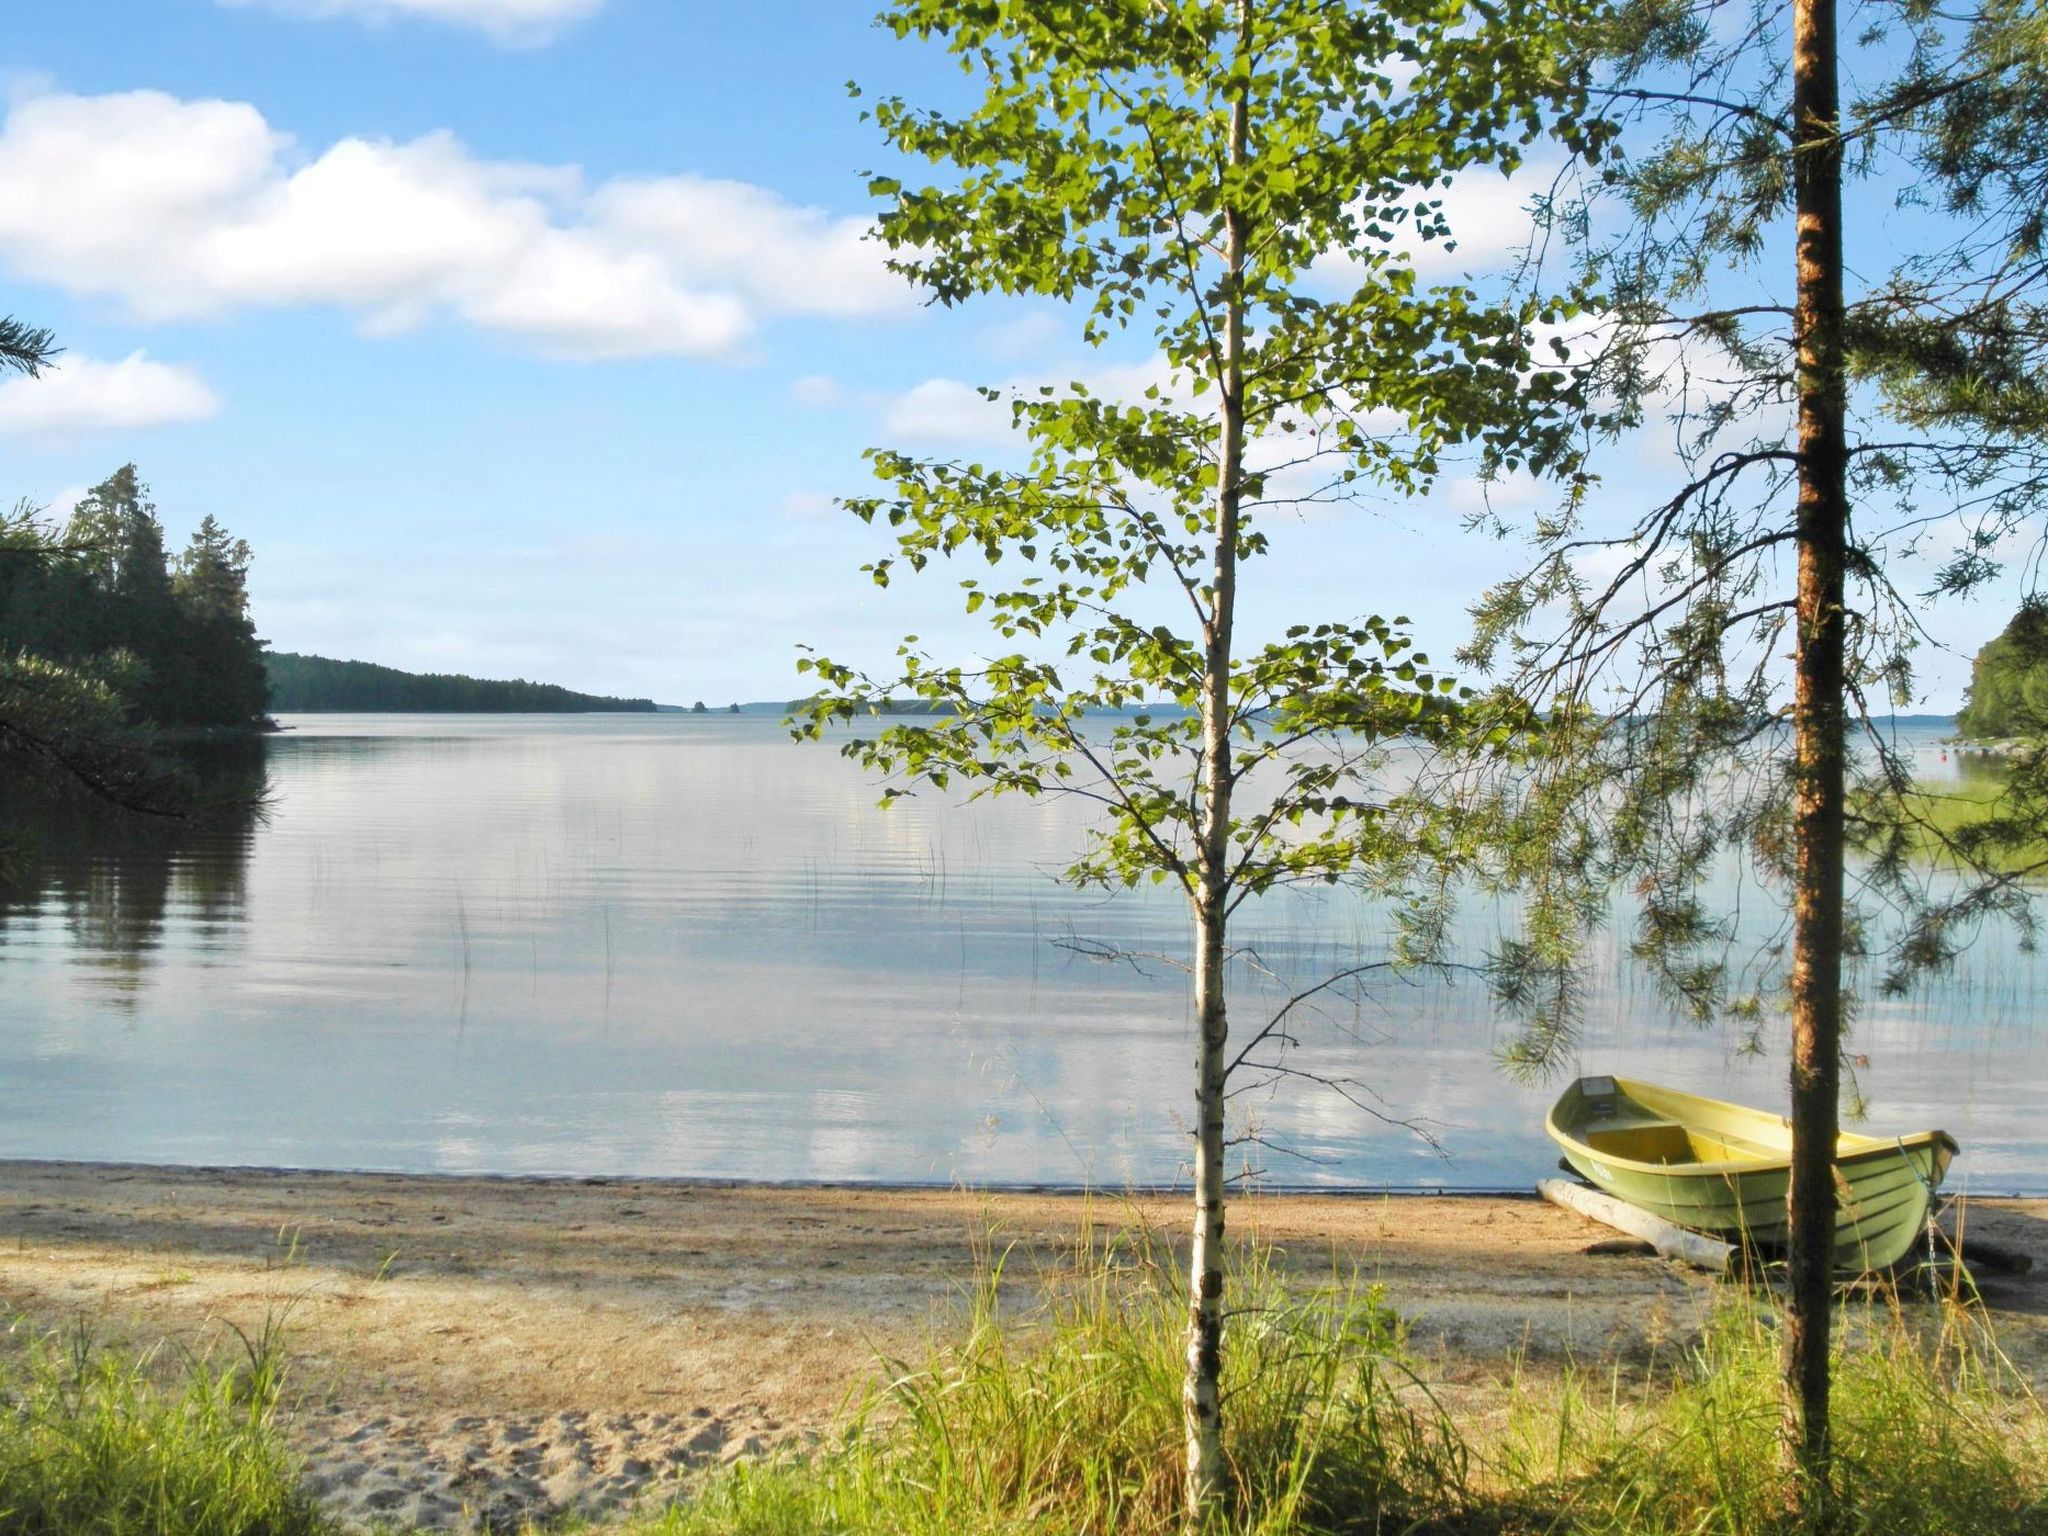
x=1190 y=175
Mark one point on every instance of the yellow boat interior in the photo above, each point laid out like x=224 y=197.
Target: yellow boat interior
x=1630 y=1122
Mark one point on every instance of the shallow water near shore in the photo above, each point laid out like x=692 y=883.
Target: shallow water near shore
x=682 y=945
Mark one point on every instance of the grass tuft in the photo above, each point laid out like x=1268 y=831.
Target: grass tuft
x=94 y=1442
x=1061 y=1417
x=1935 y=1434
x=1068 y=1420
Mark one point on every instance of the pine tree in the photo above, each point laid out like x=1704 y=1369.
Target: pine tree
x=1681 y=738
x=221 y=659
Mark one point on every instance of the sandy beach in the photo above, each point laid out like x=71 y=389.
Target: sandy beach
x=474 y=1351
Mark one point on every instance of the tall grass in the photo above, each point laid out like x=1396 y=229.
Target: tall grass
x=1935 y=1433
x=1065 y=1419
x=1058 y=1414
x=97 y=1442
x=1068 y=1420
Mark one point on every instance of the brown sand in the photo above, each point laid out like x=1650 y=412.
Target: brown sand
x=473 y=1350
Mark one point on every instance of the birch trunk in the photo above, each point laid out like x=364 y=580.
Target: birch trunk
x=1819 y=726
x=1202 y=1389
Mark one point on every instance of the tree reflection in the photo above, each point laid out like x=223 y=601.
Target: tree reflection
x=112 y=878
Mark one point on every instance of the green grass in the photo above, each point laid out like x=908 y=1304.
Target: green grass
x=1067 y=1422
x=1060 y=1417
x=1936 y=1435
x=98 y=1442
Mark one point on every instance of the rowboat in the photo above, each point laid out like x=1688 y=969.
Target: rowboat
x=1723 y=1169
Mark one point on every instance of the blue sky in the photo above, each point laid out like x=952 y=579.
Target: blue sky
x=534 y=337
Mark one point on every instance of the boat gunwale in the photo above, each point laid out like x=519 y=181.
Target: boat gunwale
x=1732 y=1167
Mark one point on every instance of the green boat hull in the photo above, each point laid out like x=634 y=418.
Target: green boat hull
x=1723 y=1169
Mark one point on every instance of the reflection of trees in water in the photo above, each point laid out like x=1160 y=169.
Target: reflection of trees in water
x=112 y=877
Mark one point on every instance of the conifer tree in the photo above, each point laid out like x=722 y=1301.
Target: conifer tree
x=1821 y=424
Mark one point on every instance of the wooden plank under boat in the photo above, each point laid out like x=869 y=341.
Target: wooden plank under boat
x=1723 y=1168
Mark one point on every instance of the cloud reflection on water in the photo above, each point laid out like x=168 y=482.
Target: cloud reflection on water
x=683 y=945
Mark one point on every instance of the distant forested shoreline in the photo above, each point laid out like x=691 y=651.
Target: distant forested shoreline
x=316 y=684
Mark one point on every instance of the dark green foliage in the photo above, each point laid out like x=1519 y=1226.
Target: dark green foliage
x=309 y=684
x=82 y=618
x=2009 y=679
x=25 y=348
x=172 y=639
x=75 y=690
x=220 y=665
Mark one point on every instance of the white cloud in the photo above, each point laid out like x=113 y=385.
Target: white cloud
x=1303 y=473
x=1489 y=219
x=819 y=391
x=83 y=394
x=792 y=260
x=945 y=411
x=184 y=208
x=515 y=22
x=58 y=508
x=1025 y=335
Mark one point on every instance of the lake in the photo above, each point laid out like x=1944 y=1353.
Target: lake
x=683 y=945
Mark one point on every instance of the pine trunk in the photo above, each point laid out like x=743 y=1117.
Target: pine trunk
x=1820 y=748
x=1202 y=1388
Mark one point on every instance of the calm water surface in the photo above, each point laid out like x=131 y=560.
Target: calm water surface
x=682 y=945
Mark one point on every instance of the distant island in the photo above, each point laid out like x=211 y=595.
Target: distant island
x=312 y=684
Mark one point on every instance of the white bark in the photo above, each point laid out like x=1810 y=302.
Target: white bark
x=1202 y=1392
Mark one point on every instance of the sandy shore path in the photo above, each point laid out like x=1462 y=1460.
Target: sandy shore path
x=475 y=1350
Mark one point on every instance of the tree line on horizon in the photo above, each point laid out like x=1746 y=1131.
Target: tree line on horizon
x=315 y=683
